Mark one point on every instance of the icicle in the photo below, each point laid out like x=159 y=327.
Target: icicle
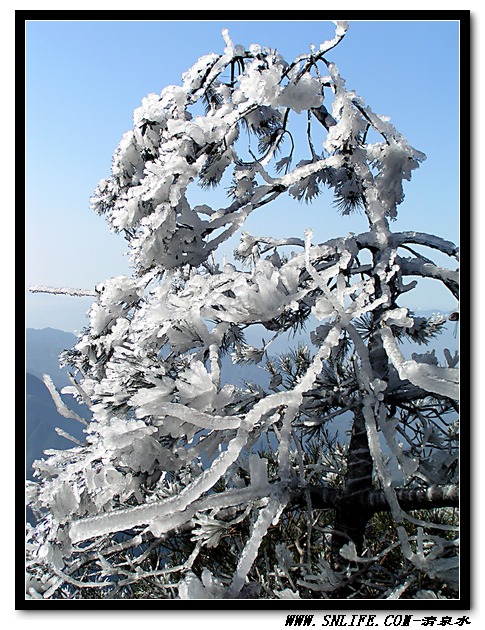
x=199 y=418
x=439 y=380
x=85 y=398
x=118 y=520
x=397 y=592
x=375 y=449
x=68 y=436
x=61 y=406
x=228 y=41
x=266 y=516
x=258 y=471
x=342 y=27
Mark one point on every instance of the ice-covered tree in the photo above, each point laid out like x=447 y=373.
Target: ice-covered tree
x=188 y=486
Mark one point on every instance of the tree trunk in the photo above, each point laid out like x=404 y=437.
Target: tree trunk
x=352 y=509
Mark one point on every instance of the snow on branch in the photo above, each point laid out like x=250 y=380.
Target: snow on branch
x=63 y=291
x=429 y=240
x=438 y=380
x=61 y=406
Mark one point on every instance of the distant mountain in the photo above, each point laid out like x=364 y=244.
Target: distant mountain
x=41 y=421
x=42 y=349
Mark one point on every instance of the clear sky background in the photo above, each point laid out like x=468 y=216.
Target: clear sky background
x=85 y=78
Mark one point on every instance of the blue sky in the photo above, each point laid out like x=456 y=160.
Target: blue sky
x=85 y=78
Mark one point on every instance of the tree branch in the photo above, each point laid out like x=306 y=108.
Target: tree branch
x=433 y=497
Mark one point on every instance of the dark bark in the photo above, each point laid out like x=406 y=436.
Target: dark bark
x=352 y=510
x=434 y=497
x=417 y=498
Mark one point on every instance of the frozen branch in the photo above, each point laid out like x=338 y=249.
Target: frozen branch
x=63 y=291
x=432 y=497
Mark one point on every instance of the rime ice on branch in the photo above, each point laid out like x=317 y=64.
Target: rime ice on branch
x=175 y=460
